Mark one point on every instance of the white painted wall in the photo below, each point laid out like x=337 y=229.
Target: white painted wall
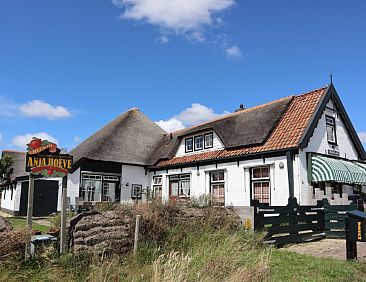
x=237 y=180
x=7 y=200
x=73 y=184
x=319 y=144
x=217 y=144
x=133 y=175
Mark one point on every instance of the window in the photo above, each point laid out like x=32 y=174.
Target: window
x=157 y=187
x=261 y=184
x=136 y=192
x=198 y=143
x=217 y=187
x=208 y=140
x=91 y=189
x=189 y=145
x=180 y=185
x=110 y=178
x=109 y=191
x=331 y=129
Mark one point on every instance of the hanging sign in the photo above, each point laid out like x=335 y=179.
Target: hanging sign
x=44 y=158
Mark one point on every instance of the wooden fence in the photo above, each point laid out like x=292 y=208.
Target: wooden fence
x=295 y=224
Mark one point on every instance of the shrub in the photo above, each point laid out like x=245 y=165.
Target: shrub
x=56 y=220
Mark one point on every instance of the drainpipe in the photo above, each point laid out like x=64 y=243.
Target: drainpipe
x=290 y=173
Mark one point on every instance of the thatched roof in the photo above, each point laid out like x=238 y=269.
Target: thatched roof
x=18 y=162
x=247 y=127
x=130 y=138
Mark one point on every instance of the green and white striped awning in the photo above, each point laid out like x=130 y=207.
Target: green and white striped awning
x=336 y=170
x=361 y=165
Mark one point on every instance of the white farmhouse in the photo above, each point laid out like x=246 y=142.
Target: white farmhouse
x=301 y=146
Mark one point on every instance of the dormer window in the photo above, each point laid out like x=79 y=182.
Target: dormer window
x=208 y=141
x=331 y=129
x=189 y=145
x=198 y=142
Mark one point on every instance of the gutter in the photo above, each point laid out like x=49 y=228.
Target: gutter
x=273 y=153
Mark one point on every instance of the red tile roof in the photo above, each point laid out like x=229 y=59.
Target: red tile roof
x=287 y=134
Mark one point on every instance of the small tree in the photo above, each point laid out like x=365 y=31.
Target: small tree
x=5 y=169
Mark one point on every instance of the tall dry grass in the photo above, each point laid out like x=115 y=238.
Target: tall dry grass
x=174 y=247
x=12 y=246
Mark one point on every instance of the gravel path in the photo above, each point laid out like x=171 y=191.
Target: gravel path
x=327 y=248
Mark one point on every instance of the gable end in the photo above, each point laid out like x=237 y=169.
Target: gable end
x=331 y=94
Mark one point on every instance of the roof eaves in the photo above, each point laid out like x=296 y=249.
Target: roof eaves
x=225 y=159
x=308 y=132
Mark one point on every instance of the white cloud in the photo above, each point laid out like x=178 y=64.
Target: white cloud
x=233 y=52
x=190 y=18
x=40 y=109
x=193 y=115
x=179 y=16
x=170 y=125
x=77 y=139
x=1 y=138
x=21 y=141
x=362 y=136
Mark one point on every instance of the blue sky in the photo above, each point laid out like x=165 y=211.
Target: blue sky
x=69 y=67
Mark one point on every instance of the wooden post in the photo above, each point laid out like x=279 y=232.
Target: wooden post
x=351 y=244
x=29 y=216
x=137 y=228
x=63 y=216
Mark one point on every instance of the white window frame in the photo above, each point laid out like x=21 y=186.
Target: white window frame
x=205 y=141
x=216 y=183
x=331 y=124
x=181 y=178
x=261 y=180
x=91 y=194
x=136 y=191
x=157 y=184
x=196 y=148
x=187 y=149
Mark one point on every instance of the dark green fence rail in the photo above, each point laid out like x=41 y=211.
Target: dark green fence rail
x=296 y=224
x=335 y=219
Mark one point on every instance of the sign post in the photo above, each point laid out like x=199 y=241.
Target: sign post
x=63 y=216
x=44 y=159
x=355 y=232
x=29 y=216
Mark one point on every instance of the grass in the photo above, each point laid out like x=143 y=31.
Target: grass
x=289 y=266
x=213 y=249
x=199 y=254
x=20 y=223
